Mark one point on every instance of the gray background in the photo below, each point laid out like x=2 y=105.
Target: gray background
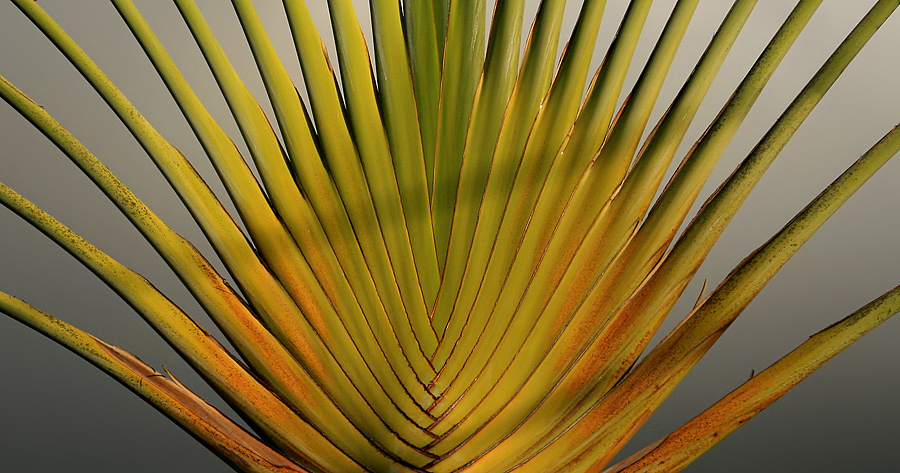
x=56 y=411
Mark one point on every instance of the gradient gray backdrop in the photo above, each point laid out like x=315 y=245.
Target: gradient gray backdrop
x=59 y=413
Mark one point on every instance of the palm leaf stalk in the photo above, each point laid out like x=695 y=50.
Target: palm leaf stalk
x=453 y=253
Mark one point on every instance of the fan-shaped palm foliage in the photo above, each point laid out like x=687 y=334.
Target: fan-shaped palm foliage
x=447 y=256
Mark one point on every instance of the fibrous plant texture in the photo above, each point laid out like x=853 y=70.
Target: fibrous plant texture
x=445 y=236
